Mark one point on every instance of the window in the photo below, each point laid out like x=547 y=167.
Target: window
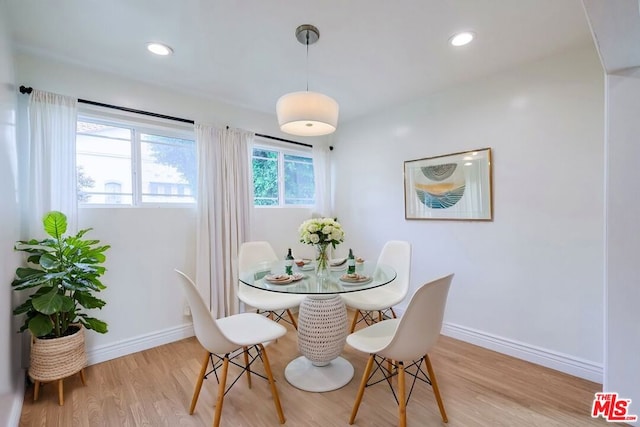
x=282 y=177
x=121 y=162
x=113 y=190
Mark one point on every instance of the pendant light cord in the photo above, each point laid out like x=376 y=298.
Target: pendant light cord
x=307 y=60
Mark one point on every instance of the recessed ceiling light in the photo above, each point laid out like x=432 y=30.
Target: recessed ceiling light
x=461 y=39
x=159 y=49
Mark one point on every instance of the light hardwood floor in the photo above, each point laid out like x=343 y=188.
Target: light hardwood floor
x=154 y=388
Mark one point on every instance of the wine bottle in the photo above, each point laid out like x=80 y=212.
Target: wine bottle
x=288 y=263
x=351 y=263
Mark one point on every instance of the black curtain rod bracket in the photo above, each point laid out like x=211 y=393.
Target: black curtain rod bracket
x=28 y=90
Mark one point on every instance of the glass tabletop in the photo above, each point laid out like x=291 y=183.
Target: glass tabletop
x=305 y=281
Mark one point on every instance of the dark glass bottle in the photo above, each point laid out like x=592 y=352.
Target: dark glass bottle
x=288 y=263
x=351 y=263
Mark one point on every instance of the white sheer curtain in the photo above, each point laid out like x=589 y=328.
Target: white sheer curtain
x=225 y=203
x=50 y=160
x=323 y=206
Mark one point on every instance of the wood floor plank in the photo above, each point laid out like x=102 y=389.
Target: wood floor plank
x=154 y=387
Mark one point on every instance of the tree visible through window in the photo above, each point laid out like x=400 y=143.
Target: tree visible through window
x=148 y=167
x=282 y=178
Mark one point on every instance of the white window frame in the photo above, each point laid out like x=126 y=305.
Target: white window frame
x=140 y=125
x=282 y=150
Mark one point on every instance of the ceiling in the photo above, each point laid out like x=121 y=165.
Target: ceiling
x=371 y=54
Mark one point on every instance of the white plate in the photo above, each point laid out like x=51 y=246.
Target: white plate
x=306 y=267
x=278 y=279
x=349 y=282
x=337 y=262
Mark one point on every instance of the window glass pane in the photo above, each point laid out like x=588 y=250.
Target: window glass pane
x=299 y=188
x=103 y=156
x=265 y=177
x=168 y=167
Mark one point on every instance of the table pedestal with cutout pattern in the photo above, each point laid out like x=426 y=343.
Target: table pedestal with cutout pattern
x=322 y=332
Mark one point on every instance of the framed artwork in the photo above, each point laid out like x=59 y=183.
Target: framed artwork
x=454 y=186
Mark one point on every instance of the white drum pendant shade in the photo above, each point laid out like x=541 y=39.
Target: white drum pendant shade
x=307 y=114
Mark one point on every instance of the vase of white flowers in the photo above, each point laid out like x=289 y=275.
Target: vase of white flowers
x=321 y=232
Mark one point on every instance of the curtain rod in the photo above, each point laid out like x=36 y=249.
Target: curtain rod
x=28 y=90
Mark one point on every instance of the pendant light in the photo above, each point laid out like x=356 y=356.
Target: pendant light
x=307 y=113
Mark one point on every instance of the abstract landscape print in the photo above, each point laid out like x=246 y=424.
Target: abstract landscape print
x=453 y=186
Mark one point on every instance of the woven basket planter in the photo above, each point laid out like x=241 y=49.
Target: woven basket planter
x=56 y=358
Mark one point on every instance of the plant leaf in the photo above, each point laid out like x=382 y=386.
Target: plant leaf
x=68 y=304
x=55 y=224
x=23 y=308
x=40 y=325
x=26 y=272
x=49 y=303
x=95 y=324
x=49 y=261
x=89 y=301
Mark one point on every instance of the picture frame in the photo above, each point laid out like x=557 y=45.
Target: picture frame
x=456 y=186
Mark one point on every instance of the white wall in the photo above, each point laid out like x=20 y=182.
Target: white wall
x=144 y=304
x=531 y=279
x=530 y=283
x=279 y=226
x=10 y=390
x=622 y=374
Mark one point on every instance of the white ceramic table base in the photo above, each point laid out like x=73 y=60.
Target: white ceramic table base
x=322 y=332
x=303 y=374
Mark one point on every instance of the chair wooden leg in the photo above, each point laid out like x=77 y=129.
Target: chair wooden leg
x=36 y=390
x=221 y=388
x=196 y=392
x=379 y=315
x=436 y=389
x=61 y=392
x=389 y=366
x=82 y=377
x=293 y=319
x=247 y=366
x=355 y=321
x=402 y=400
x=393 y=312
x=363 y=384
x=272 y=383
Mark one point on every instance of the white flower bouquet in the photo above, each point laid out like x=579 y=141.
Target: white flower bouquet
x=321 y=231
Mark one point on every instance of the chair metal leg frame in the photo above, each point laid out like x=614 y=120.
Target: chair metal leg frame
x=401 y=400
x=369 y=319
x=224 y=362
x=279 y=315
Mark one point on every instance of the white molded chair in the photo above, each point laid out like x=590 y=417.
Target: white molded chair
x=397 y=254
x=409 y=338
x=274 y=303
x=226 y=339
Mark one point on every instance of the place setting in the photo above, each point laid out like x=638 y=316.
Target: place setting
x=338 y=264
x=283 y=279
x=354 y=279
x=304 y=264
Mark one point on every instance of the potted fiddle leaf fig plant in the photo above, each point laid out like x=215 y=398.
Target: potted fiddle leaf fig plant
x=64 y=272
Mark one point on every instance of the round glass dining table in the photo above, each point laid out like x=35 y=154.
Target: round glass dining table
x=322 y=318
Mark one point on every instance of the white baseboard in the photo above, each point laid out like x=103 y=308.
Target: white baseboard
x=561 y=362
x=106 y=352
x=11 y=404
